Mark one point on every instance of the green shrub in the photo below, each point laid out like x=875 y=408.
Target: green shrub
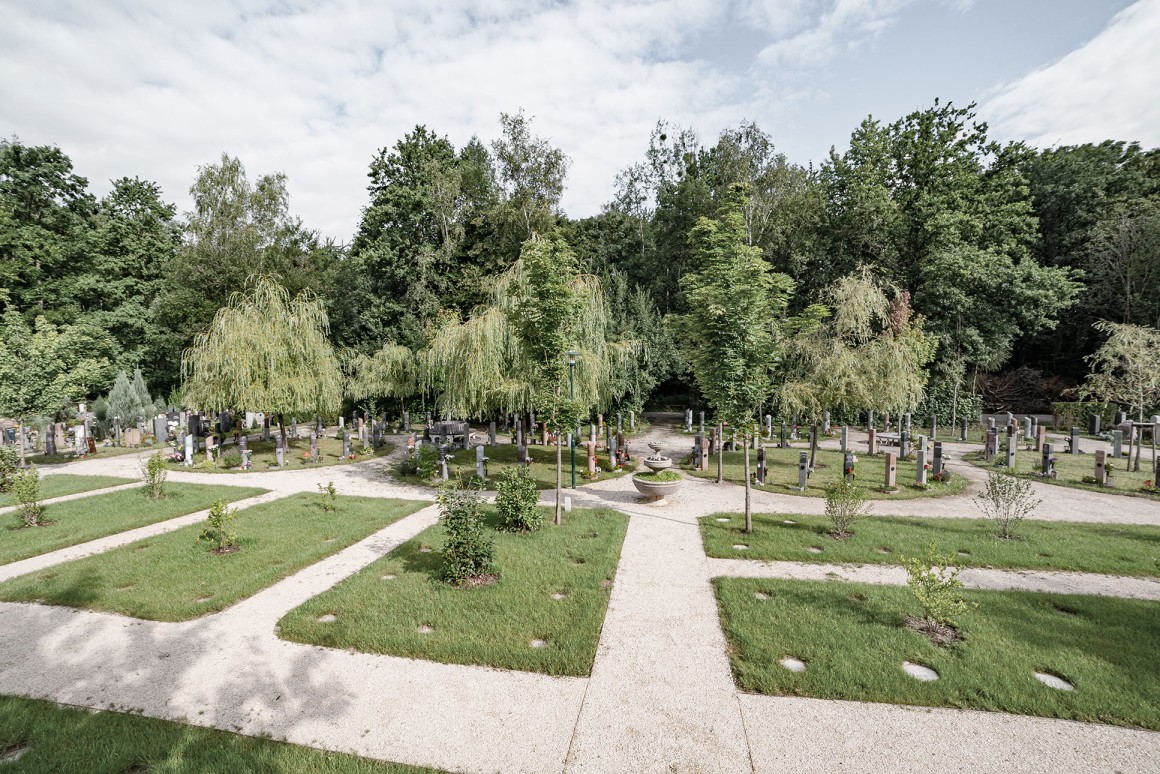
x=517 y=501
x=26 y=492
x=1006 y=500
x=659 y=476
x=219 y=532
x=9 y=464
x=154 y=470
x=425 y=464
x=937 y=588
x=229 y=460
x=845 y=504
x=328 y=497
x=467 y=548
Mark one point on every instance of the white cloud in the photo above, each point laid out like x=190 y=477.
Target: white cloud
x=1107 y=88
x=314 y=89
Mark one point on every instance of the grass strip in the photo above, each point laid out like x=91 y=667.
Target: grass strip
x=782 y=474
x=1114 y=549
x=173 y=577
x=856 y=640
x=1072 y=468
x=89 y=518
x=62 y=484
x=381 y=609
x=503 y=456
x=57 y=739
x=264 y=457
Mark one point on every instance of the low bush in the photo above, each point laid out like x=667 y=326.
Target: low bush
x=25 y=489
x=937 y=589
x=1006 y=500
x=660 y=476
x=154 y=471
x=328 y=497
x=219 y=532
x=9 y=464
x=517 y=499
x=845 y=504
x=467 y=548
x=229 y=460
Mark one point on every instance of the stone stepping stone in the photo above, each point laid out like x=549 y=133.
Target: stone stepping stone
x=792 y=664
x=388 y=576
x=204 y=598
x=885 y=551
x=814 y=549
x=327 y=618
x=425 y=629
x=919 y=672
x=558 y=596
x=13 y=754
x=1052 y=681
x=740 y=547
x=760 y=596
x=722 y=520
x=788 y=521
x=538 y=644
x=424 y=550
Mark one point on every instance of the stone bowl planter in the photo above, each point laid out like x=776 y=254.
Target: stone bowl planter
x=656 y=464
x=656 y=490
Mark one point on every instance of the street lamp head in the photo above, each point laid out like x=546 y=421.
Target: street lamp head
x=572 y=356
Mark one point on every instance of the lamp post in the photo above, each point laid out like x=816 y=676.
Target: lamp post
x=572 y=396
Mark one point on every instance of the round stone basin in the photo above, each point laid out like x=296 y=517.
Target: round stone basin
x=792 y=664
x=656 y=464
x=919 y=672
x=1052 y=681
x=658 y=490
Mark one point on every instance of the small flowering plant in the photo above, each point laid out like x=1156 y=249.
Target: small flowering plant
x=1150 y=487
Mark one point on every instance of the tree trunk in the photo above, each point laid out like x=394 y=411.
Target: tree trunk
x=748 y=508
x=20 y=441
x=282 y=429
x=559 y=475
x=721 y=453
x=1139 y=443
x=814 y=444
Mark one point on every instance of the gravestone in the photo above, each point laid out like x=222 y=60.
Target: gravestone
x=891 y=481
x=936 y=464
x=825 y=423
x=921 y=445
x=480 y=470
x=1121 y=418
x=793 y=430
x=611 y=447
x=906 y=421
x=520 y=434
x=990 y=445
x=963 y=429
x=705 y=454
x=376 y=435
x=845 y=438
x=591 y=446
x=210 y=445
x=592 y=434
x=848 y=466
x=161 y=428
x=632 y=421
x=443 y=472
x=345 y=442
x=522 y=455
x=1045 y=463
x=1117 y=444
x=933 y=427
x=990 y=423
x=247 y=459
x=188 y=451
x=920 y=467
x=904 y=444
x=870 y=419
x=784 y=440
x=619 y=423
x=1093 y=424
x=293 y=427
x=872 y=441
x=761 y=465
x=688 y=420
x=90 y=444
x=1101 y=467
x=59 y=438
x=768 y=427
x=803 y=470
x=224 y=423
x=49 y=441
x=1012 y=445
x=313 y=446
x=1074 y=441
x=279 y=451
x=407 y=421
x=243 y=442
x=318 y=424
x=266 y=428
x=116 y=431
x=1027 y=428
x=132 y=438
x=491 y=434
x=1040 y=437
x=341 y=422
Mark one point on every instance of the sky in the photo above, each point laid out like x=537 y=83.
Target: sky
x=314 y=88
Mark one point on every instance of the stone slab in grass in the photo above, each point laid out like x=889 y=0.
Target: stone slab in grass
x=503 y=456
x=61 y=484
x=88 y=518
x=265 y=458
x=1113 y=549
x=544 y=614
x=856 y=641
x=59 y=739
x=1071 y=469
x=173 y=577
x=782 y=475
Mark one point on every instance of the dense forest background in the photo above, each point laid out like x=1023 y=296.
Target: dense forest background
x=1008 y=254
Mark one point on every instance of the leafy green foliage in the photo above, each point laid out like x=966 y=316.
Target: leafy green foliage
x=228 y=460
x=845 y=503
x=937 y=587
x=154 y=470
x=1126 y=368
x=467 y=548
x=327 y=497
x=517 y=499
x=1006 y=500
x=26 y=492
x=219 y=531
x=9 y=464
x=660 y=476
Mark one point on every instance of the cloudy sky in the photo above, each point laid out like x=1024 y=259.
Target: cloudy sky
x=314 y=87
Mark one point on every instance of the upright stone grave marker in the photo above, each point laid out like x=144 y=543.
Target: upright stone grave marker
x=848 y=466
x=279 y=451
x=1117 y=444
x=161 y=428
x=688 y=420
x=345 y=442
x=522 y=455
x=1045 y=463
x=963 y=429
x=701 y=420
x=1074 y=441
x=933 y=426
x=591 y=446
x=1101 y=467
x=491 y=434
x=1027 y=428
x=1040 y=437
x=1012 y=445
x=825 y=423
x=990 y=445
x=313 y=446
x=188 y=462
x=904 y=444
x=761 y=465
x=480 y=469
x=891 y=481
x=920 y=467
x=845 y=438
x=803 y=470
x=872 y=441
x=906 y=421
x=768 y=427
x=784 y=440
x=870 y=419
x=936 y=465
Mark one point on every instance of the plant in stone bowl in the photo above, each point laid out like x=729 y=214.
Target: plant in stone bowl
x=657 y=484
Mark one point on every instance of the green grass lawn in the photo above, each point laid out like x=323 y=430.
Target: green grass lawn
x=855 y=642
x=173 y=577
x=503 y=456
x=1072 y=468
x=490 y=625
x=1115 y=549
x=57 y=740
x=89 y=518
x=265 y=457
x=66 y=455
x=61 y=484
x=782 y=476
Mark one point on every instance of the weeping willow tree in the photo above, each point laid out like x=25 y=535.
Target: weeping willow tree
x=869 y=353
x=265 y=351
x=512 y=354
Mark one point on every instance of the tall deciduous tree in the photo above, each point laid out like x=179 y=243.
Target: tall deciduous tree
x=45 y=367
x=531 y=176
x=730 y=333
x=1126 y=369
x=265 y=351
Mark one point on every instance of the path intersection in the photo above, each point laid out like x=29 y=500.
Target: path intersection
x=660 y=698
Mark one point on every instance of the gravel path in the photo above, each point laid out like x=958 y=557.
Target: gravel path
x=660 y=697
